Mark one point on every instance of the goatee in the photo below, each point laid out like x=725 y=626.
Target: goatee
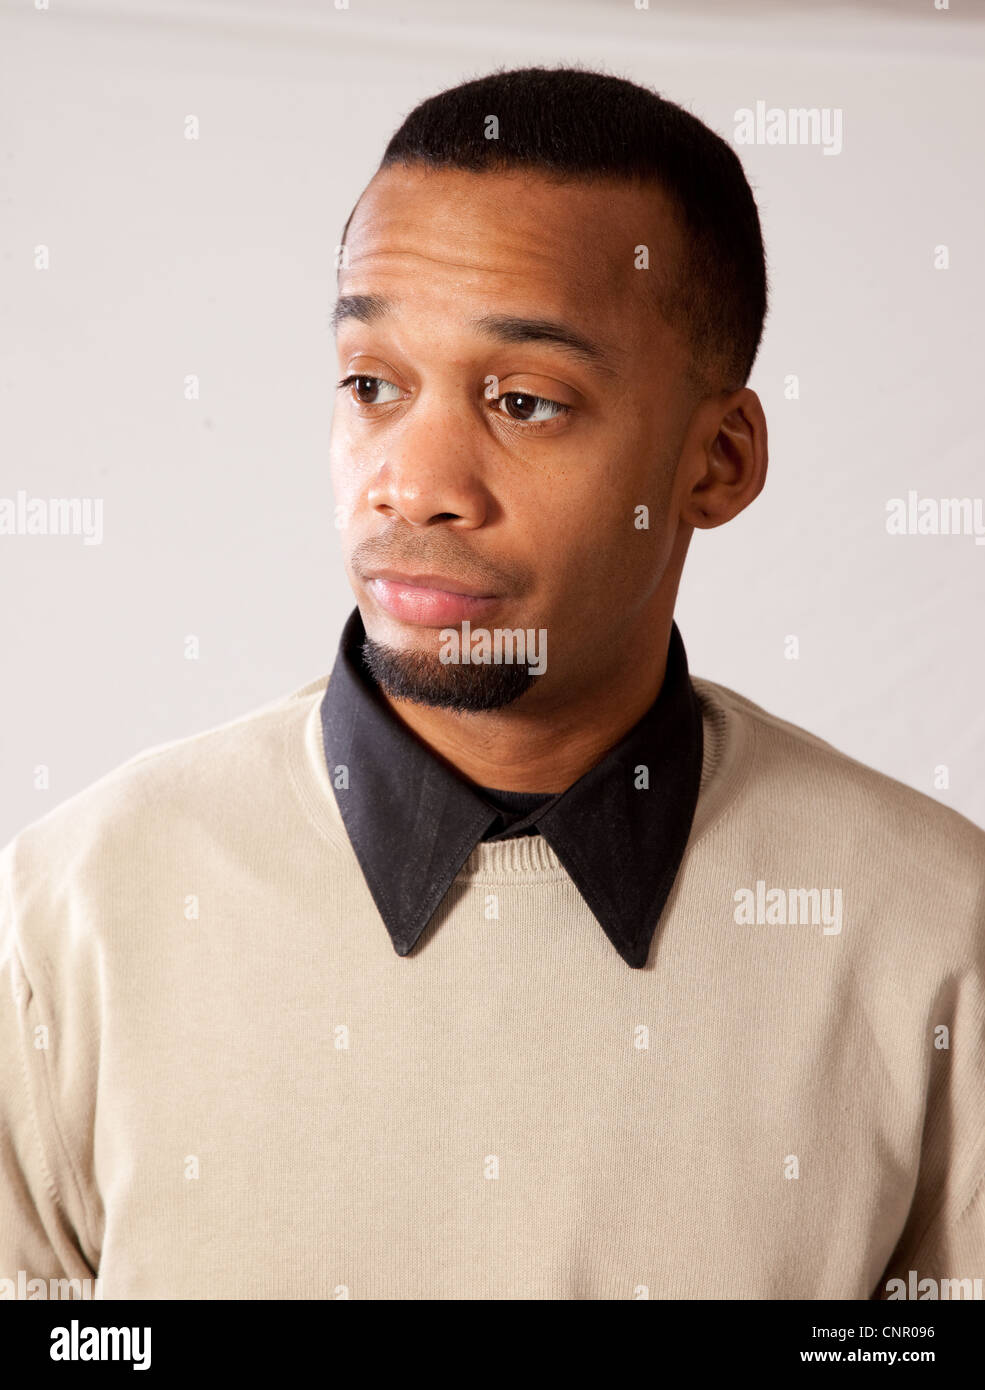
x=425 y=680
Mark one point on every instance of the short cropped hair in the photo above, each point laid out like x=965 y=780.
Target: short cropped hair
x=573 y=123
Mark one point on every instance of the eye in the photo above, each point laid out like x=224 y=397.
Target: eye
x=530 y=409
x=366 y=389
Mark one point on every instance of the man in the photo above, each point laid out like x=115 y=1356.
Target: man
x=509 y=962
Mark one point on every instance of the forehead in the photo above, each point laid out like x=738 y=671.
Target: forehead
x=514 y=239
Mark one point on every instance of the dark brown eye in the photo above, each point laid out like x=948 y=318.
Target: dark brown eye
x=365 y=388
x=520 y=406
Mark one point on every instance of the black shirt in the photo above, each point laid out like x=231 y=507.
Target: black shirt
x=515 y=812
x=619 y=831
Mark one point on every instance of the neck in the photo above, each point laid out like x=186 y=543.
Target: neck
x=546 y=745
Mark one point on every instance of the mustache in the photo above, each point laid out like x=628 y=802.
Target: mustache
x=439 y=553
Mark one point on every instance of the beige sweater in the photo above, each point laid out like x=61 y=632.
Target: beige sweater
x=220 y=1081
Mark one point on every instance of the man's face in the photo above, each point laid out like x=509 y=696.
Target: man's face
x=500 y=469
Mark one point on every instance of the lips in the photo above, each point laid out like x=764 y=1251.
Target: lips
x=447 y=583
x=431 y=600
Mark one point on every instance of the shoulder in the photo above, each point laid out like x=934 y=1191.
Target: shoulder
x=131 y=812
x=804 y=785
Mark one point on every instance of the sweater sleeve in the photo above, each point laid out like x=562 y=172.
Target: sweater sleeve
x=956 y=1250
x=944 y=1237
x=46 y=1220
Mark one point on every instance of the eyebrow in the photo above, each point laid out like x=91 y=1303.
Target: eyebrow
x=507 y=328
x=365 y=308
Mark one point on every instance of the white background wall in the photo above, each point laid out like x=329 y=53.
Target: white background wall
x=214 y=257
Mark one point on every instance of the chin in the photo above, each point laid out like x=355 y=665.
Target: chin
x=410 y=673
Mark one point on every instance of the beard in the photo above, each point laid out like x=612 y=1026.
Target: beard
x=424 y=679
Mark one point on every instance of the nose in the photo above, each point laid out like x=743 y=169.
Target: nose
x=431 y=471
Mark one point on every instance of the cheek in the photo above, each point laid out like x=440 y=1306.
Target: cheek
x=610 y=528
x=346 y=491
x=581 y=541
x=337 y=453
x=602 y=504
x=644 y=489
x=344 y=485
x=348 y=467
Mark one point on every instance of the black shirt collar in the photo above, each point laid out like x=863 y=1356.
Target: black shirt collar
x=413 y=822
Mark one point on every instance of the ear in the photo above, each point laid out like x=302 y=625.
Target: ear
x=727 y=459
